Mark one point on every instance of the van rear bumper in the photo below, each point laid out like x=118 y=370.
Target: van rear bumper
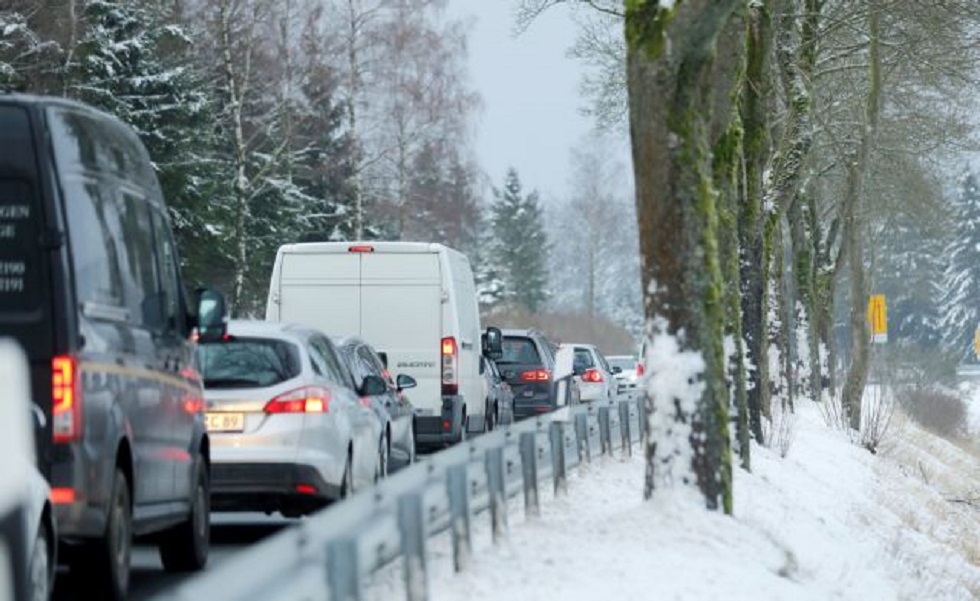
x=89 y=482
x=443 y=429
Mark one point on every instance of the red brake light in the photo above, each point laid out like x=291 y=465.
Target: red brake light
x=311 y=399
x=360 y=249
x=306 y=489
x=592 y=375
x=449 y=365
x=66 y=406
x=639 y=369
x=536 y=375
x=62 y=495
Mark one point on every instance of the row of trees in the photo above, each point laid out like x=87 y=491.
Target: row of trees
x=789 y=158
x=271 y=121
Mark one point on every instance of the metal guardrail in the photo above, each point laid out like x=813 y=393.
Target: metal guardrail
x=330 y=554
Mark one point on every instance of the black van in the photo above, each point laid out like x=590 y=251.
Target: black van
x=90 y=286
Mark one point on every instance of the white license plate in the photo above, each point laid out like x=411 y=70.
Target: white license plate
x=225 y=422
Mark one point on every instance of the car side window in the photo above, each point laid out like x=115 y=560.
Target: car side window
x=170 y=280
x=317 y=360
x=335 y=369
x=143 y=295
x=96 y=238
x=368 y=363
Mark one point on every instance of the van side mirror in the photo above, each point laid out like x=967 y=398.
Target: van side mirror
x=372 y=386
x=493 y=343
x=212 y=315
x=405 y=381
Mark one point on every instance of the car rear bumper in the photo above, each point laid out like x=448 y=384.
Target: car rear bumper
x=443 y=429
x=267 y=486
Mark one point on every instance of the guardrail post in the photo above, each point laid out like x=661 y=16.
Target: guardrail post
x=413 y=546
x=605 y=432
x=497 y=492
x=529 y=469
x=582 y=436
x=343 y=574
x=641 y=412
x=459 y=511
x=558 y=456
x=624 y=427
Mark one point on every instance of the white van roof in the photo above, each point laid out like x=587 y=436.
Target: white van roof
x=378 y=246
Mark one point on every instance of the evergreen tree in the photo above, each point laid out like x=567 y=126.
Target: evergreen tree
x=22 y=50
x=519 y=248
x=909 y=268
x=961 y=301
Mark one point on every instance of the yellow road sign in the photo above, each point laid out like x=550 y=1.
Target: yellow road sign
x=878 y=318
x=976 y=341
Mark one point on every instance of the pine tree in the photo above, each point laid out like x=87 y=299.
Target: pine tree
x=961 y=301
x=22 y=50
x=520 y=246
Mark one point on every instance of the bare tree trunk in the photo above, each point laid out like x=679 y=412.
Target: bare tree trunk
x=854 y=229
x=751 y=222
x=353 y=93
x=237 y=86
x=670 y=53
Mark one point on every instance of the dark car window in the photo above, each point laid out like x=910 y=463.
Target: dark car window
x=143 y=285
x=20 y=255
x=96 y=239
x=583 y=359
x=248 y=362
x=171 y=293
x=517 y=349
x=335 y=369
x=371 y=364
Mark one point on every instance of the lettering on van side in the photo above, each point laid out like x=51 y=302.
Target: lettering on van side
x=7 y=231
x=416 y=364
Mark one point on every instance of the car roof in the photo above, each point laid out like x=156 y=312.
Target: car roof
x=256 y=327
x=35 y=99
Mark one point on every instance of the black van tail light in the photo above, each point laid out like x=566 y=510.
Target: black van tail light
x=536 y=375
x=66 y=402
x=62 y=495
x=450 y=359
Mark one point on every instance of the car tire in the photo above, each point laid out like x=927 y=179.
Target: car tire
x=42 y=559
x=184 y=548
x=101 y=568
x=381 y=470
x=347 y=480
x=412 y=445
x=489 y=423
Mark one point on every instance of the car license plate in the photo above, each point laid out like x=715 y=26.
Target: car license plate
x=226 y=422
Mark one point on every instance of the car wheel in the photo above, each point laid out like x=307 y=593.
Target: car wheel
x=101 y=569
x=41 y=563
x=488 y=421
x=381 y=471
x=184 y=548
x=347 y=483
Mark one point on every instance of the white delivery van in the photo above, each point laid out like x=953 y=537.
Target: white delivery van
x=413 y=301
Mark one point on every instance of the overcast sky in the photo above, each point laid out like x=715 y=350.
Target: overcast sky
x=530 y=118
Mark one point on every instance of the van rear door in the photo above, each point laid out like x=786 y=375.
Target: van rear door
x=401 y=314
x=26 y=293
x=322 y=291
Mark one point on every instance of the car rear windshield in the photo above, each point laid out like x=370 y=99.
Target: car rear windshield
x=519 y=350
x=622 y=362
x=248 y=362
x=20 y=282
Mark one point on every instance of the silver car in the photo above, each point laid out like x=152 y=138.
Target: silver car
x=594 y=374
x=290 y=430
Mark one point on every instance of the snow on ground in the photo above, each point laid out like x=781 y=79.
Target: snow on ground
x=830 y=521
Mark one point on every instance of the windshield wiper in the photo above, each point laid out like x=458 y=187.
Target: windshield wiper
x=231 y=383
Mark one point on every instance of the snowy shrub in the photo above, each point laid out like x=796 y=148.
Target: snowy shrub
x=878 y=407
x=832 y=410
x=936 y=409
x=780 y=429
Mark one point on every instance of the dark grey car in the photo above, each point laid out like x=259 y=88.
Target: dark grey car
x=393 y=407
x=90 y=286
x=527 y=364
